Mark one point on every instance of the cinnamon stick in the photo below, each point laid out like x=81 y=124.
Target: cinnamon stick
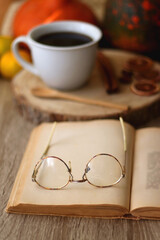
x=107 y=71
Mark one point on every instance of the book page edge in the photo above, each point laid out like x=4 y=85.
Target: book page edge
x=20 y=178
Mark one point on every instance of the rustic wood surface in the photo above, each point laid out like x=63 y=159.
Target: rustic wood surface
x=15 y=131
x=40 y=109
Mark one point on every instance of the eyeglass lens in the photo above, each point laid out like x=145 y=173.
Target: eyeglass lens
x=103 y=170
x=52 y=173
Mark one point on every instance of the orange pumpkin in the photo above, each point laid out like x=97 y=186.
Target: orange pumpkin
x=73 y=10
x=33 y=13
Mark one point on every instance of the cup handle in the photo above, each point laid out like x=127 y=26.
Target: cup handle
x=28 y=66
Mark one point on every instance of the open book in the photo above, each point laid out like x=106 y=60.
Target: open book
x=137 y=195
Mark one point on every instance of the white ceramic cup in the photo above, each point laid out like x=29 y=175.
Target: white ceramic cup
x=64 y=68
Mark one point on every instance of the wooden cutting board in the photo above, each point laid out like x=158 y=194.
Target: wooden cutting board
x=38 y=110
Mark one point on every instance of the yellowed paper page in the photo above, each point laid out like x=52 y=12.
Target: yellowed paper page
x=77 y=142
x=146 y=170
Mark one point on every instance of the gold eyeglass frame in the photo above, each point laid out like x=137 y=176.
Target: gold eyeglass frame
x=84 y=177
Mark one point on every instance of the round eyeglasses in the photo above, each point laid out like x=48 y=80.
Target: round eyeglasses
x=103 y=170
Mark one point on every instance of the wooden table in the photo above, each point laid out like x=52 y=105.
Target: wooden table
x=14 y=134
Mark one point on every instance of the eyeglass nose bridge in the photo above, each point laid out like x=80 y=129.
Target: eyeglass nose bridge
x=79 y=181
x=71 y=179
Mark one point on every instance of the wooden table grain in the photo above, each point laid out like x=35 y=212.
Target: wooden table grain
x=14 y=134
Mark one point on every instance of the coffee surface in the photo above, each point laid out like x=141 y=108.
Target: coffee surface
x=63 y=39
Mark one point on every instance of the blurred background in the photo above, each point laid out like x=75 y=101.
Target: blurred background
x=132 y=25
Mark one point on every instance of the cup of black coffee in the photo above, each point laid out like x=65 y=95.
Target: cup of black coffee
x=63 y=52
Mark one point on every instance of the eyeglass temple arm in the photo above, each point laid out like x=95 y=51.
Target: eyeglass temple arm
x=49 y=141
x=124 y=142
x=35 y=171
